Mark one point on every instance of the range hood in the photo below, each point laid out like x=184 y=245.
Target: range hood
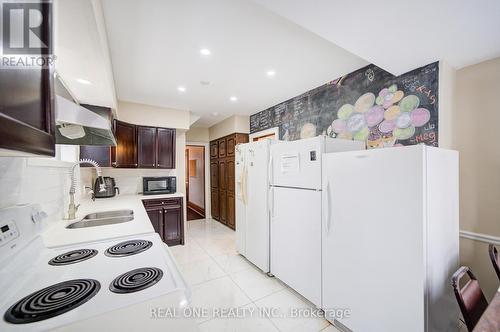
x=79 y=125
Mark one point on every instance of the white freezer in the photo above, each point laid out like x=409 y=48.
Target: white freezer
x=296 y=240
x=390 y=238
x=298 y=163
x=295 y=203
x=252 y=212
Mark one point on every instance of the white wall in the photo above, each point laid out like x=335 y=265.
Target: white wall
x=475 y=123
x=196 y=183
x=35 y=180
x=198 y=134
x=146 y=115
x=446 y=102
x=233 y=124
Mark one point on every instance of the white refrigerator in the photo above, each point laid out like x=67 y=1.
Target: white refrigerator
x=390 y=239
x=252 y=212
x=295 y=209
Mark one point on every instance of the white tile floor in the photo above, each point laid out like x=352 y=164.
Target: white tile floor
x=220 y=278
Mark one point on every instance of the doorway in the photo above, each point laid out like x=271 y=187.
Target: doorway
x=195 y=182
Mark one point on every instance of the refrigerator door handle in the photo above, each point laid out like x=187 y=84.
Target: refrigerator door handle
x=270 y=169
x=244 y=182
x=271 y=202
x=328 y=205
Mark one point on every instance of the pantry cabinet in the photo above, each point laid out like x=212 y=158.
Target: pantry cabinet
x=222 y=179
x=167 y=218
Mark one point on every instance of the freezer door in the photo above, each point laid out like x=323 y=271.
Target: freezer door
x=296 y=240
x=257 y=220
x=372 y=240
x=297 y=163
x=241 y=198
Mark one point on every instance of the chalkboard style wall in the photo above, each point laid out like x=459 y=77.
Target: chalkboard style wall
x=369 y=104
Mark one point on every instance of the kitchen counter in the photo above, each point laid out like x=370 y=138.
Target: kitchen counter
x=58 y=235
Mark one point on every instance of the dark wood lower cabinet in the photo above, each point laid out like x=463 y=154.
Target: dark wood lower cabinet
x=156 y=217
x=167 y=218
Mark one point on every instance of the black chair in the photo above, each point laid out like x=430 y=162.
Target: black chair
x=495 y=259
x=470 y=298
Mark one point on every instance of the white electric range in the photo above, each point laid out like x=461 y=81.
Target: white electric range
x=45 y=288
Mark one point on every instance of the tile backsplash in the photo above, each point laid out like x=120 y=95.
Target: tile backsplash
x=35 y=180
x=128 y=180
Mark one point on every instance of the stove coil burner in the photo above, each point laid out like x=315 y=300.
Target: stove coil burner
x=136 y=280
x=72 y=257
x=52 y=301
x=128 y=248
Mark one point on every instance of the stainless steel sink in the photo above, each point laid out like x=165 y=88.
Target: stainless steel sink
x=109 y=214
x=104 y=218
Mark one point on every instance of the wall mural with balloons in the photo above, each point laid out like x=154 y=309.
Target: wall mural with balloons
x=369 y=105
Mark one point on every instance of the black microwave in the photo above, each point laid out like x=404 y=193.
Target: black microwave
x=159 y=185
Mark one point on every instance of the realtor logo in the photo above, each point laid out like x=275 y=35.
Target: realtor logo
x=25 y=27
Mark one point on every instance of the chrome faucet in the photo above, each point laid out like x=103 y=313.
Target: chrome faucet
x=72 y=209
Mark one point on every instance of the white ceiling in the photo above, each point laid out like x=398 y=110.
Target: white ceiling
x=154 y=46
x=82 y=51
x=402 y=35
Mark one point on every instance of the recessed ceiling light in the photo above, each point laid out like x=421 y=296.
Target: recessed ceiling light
x=205 y=51
x=233 y=98
x=215 y=113
x=81 y=80
x=271 y=73
x=181 y=89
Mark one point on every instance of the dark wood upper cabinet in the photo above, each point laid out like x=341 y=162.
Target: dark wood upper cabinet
x=214 y=149
x=27 y=122
x=146 y=147
x=165 y=157
x=125 y=152
x=101 y=154
x=222 y=148
x=136 y=147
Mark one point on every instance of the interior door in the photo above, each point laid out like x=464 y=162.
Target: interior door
x=296 y=240
x=373 y=240
x=257 y=235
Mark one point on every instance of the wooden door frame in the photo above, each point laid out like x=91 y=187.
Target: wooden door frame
x=206 y=168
